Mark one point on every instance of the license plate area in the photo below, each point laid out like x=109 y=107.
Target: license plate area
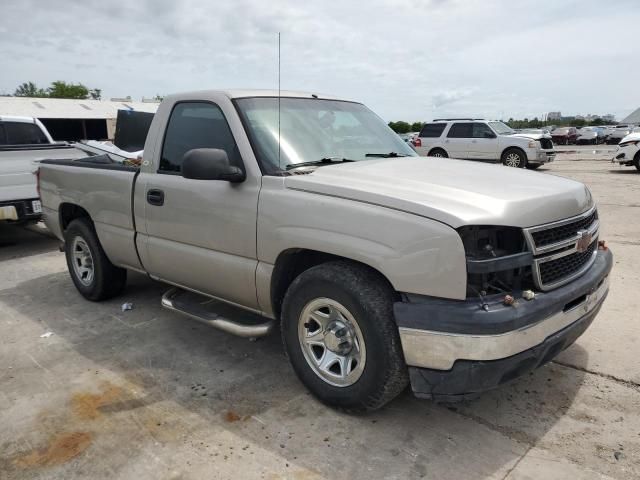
x=36 y=206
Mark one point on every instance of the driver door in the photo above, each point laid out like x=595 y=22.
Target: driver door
x=200 y=234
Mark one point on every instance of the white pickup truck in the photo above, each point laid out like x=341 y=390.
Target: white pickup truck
x=24 y=141
x=304 y=211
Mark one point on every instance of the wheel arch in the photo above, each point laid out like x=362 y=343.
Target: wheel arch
x=292 y=262
x=68 y=212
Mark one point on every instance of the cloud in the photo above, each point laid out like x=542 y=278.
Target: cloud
x=410 y=59
x=449 y=96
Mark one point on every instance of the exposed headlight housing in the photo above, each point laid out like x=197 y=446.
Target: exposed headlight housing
x=498 y=260
x=629 y=143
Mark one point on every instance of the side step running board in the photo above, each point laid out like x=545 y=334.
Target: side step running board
x=217 y=314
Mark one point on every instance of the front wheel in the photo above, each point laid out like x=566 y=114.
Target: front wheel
x=93 y=274
x=514 y=158
x=340 y=336
x=636 y=161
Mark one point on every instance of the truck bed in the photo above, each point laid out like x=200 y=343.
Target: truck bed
x=101 y=187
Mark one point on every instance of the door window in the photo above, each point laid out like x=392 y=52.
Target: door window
x=460 y=130
x=480 y=129
x=196 y=125
x=3 y=139
x=432 y=130
x=19 y=133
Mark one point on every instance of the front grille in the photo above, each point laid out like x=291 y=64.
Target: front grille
x=546 y=143
x=554 y=270
x=553 y=235
x=555 y=246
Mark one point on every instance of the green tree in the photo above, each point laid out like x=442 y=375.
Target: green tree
x=29 y=89
x=400 y=127
x=417 y=126
x=62 y=89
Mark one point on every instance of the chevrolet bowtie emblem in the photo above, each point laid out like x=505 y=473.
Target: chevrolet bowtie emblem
x=584 y=241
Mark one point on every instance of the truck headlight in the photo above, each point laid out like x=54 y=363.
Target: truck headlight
x=498 y=259
x=629 y=143
x=533 y=144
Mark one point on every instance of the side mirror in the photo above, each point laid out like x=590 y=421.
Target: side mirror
x=489 y=135
x=210 y=164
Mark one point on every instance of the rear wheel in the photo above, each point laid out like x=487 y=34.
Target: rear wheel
x=93 y=274
x=438 y=152
x=341 y=338
x=636 y=160
x=514 y=157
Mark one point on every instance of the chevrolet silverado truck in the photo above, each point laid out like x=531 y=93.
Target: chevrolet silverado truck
x=24 y=141
x=381 y=268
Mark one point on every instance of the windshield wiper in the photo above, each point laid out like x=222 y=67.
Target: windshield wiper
x=386 y=155
x=322 y=161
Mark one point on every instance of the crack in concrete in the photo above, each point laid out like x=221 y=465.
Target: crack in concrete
x=515 y=465
x=627 y=383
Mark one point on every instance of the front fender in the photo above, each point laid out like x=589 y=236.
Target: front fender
x=416 y=254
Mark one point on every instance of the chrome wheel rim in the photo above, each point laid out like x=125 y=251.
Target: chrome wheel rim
x=512 y=160
x=437 y=154
x=82 y=261
x=332 y=342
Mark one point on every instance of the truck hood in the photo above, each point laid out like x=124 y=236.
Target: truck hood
x=455 y=192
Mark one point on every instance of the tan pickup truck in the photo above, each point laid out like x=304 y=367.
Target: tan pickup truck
x=381 y=268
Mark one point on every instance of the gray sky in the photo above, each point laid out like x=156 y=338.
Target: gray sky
x=411 y=59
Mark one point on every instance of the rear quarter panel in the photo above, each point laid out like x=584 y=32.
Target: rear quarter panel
x=104 y=194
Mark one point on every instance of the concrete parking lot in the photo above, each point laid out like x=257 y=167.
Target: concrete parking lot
x=148 y=394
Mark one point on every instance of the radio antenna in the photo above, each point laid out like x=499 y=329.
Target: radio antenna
x=279 y=164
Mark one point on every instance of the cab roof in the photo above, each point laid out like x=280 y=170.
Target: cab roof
x=244 y=93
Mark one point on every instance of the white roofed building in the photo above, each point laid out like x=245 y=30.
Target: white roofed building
x=73 y=119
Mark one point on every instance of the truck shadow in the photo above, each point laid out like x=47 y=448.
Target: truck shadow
x=158 y=358
x=22 y=241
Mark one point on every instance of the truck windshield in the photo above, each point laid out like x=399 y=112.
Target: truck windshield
x=314 y=129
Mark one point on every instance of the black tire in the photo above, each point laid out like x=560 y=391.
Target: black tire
x=507 y=157
x=636 y=161
x=533 y=166
x=369 y=300
x=107 y=280
x=438 y=152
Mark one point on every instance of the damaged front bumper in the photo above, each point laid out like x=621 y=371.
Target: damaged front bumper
x=456 y=349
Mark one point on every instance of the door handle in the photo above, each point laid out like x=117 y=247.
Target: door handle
x=155 y=197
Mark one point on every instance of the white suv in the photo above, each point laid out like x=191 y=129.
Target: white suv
x=477 y=139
